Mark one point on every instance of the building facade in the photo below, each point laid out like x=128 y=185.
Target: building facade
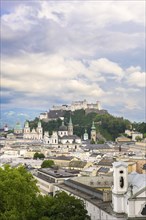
x=34 y=134
x=64 y=137
x=129 y=192
x=76 y=105
x=93 y=132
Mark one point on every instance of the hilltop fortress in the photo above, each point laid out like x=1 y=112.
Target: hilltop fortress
x=76 y=105
x=57 y=111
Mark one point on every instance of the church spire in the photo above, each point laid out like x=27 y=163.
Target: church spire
x=93 y=126
x=93 y=133
x=70 y=121
x=70 y=127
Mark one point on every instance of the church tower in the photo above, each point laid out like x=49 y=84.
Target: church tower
x=26 y=131
x=70 y=127
x=85 y=136
x=40 y=130
x=120 y=186
x=93 y=132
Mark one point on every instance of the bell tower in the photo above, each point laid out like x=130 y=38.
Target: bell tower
x=26 y=131
x=120 y=186
x=40 y=130
x=70 y=127
x=93 y=132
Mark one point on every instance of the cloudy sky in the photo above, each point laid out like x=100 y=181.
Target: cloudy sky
x=56 y=52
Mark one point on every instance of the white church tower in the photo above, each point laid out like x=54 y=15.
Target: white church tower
x=70 y=127
x=93 y=132
x=40 y=130
x=26 y=131
x=85 y=136
x=120 y=186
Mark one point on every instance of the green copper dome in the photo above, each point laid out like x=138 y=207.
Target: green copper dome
x=18 y=126
x=93 y=126
x=26 y=124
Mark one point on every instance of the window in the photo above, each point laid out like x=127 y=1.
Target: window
x=121 y=182
x=121 y=171
x=144 y=211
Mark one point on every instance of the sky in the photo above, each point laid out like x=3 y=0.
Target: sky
x=55 y=52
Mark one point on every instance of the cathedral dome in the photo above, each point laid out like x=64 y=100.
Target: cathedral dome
x=63 y=127
x=18 y=126
x=26 y=124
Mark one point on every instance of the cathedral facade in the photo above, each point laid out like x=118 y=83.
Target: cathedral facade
x=34 y=134
x=64 y=136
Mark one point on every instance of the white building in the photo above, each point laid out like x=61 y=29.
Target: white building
x=43 y=115
x=47 y=177
x=85 y=136
x=64 y=137
x=34 y=134
x=76 y=105
x=133 y=134
x=129 y=192
x=128 y=196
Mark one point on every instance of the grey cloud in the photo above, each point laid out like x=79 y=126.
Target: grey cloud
x=47 y=53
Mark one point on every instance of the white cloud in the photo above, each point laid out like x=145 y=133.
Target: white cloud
x=73 y=50
x=105 y=66
x=22 y=114
x=74 y=28
x=97 y=12
x=132 y=69
x=10 y=113
x=137 y=79
x=54 y=76
x=48 y=76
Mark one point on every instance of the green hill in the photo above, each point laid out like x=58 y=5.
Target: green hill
x=107 y=125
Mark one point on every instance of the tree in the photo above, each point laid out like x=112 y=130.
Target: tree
x=68 y=207
x=18 y=190
x=92 y=141
x=38 y=156
x=144 y=135
x=47 y=163
x=138 y=138
x=20 y=199
x=100 y=142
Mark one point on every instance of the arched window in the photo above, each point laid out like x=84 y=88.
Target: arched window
x=121 y=182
